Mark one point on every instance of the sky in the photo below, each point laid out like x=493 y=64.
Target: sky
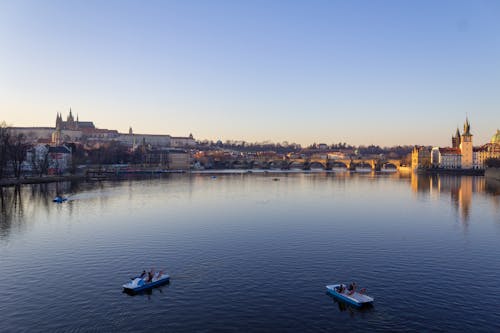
x=362 y=72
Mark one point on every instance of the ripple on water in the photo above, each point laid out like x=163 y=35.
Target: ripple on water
x=249 y=254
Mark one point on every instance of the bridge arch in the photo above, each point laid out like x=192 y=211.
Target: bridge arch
x=317 y=165
x=389 y=166
x=238 y=164
x=338 y=164
x=275 y=164
x=296 y=165
x=361 y=165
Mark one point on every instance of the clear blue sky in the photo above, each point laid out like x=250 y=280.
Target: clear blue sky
x=362 y=72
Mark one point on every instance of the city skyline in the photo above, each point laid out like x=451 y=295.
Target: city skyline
x=384 y=73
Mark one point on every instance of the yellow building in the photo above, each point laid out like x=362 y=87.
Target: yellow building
x=487 y=151
x=420 y=158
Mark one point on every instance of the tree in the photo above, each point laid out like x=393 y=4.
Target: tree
x=39 y=159
x=17 y=153
x=4 y=147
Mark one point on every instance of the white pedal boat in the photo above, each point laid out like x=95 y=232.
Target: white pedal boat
x=355 y=298
x=139 y=284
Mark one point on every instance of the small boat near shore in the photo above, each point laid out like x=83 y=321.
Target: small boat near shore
x=139 y=284
x=59 y=199
x=355 y=298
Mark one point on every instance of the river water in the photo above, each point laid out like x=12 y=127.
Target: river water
x=253 y=252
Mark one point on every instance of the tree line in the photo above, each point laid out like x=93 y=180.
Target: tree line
x=13 y=150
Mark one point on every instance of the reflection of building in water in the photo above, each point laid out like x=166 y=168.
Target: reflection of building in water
x=420 y=183
x=465 y=196
x=461 y=189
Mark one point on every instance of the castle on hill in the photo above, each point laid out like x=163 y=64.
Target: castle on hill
x=73 y=130
x=71 y=124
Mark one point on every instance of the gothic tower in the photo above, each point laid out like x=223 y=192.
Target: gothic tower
x=455 y=140
x=70 y=121
x=466 y=147
x=58 y=120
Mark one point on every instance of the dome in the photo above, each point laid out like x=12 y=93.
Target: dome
x=496 y=138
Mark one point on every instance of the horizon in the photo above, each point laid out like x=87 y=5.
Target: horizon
x=460 y=128
x=387 y=73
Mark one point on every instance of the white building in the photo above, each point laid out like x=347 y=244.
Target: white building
x=446 y=158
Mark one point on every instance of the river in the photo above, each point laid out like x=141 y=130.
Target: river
x=253 y=252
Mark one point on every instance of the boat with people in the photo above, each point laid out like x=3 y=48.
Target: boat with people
x=59 y=199
x=146 y=281
x=349 y=294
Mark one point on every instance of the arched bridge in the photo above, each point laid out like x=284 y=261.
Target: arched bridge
x=309 y=163
x=326 y=164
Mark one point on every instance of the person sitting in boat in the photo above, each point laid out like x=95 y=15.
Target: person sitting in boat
x=352 y=288
x=143 y=274
x=150 y=276
x=158 y=275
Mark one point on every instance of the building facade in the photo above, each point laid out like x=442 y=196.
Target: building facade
x=420 y=158
x=463 y=154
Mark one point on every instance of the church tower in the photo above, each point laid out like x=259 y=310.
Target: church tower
x=455 y=140
x=466 y=147
x=58 y=120
x=70 y=121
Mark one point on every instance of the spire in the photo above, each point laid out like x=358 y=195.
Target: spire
x=457 y=134
x=467 y=126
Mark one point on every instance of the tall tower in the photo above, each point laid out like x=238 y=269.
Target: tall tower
x=70 y=121
x=58 y=120
x=466 y=147
x=455 y=140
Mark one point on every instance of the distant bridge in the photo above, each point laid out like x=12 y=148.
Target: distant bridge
x=313 y=163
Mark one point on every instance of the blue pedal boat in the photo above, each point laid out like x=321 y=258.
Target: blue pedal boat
x=357 y=299
x=59 y=199
x=138 y=284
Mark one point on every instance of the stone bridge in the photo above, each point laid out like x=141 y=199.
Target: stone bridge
x=314 y=163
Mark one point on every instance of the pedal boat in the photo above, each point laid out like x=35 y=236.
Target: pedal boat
x=138 y=284
x=59 y=199
x=357 y=299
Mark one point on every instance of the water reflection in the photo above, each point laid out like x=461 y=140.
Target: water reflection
x=149 y=293
x=25 y=203
x=11 y=205
x=21 y=204
x=350 y=309
x=460 y=188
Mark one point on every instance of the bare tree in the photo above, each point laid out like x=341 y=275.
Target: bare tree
x=39 y=160
x=17 y=153
x=4 y=147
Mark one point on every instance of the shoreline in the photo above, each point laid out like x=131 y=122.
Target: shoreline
x=123 y=175
x=458 y=172
x=39 y=180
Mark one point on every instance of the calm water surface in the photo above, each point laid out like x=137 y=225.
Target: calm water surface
x=246 y=252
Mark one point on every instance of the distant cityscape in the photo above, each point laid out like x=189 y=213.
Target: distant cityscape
x=73 y=145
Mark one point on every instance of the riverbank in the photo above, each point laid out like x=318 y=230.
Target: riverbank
x=458 y=172
x=40 y=180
